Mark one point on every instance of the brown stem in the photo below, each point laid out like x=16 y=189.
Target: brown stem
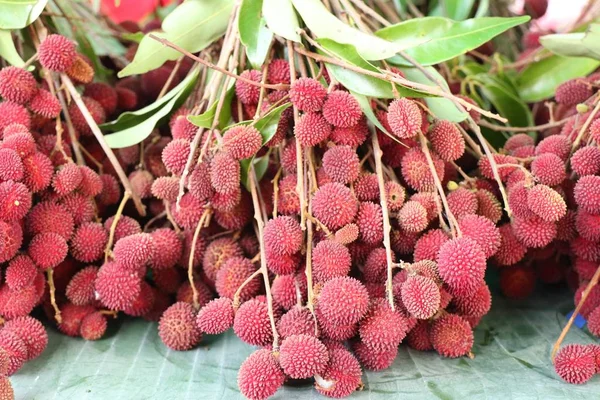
x=74 y=142
x=586 y=125
x=387 y=243
x=584 y=296
x=275 y=182
x=154 y=219
x=236 y=296
x=170 y=78
x=190 y=271
x=50 y=276
x=113 y=226
x=170 y=218
x=263 y=260
x=499 y=128
x=107 y=150
x=210 y=65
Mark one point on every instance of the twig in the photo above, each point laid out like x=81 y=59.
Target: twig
x=190 y=271
x=586 y=125
x=75 y=143
x=542 y=127
x=275 y=183
x=170 y=78
x=238 y=292
x=57 y=314
x=141 y=209
x=113 y=225
x=387 y=243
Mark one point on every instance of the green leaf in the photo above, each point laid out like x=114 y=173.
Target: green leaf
x=134 y=134
x=281 y=19
x=93 y=28
x=205 y=120
x=443 y=39
x=579 y=44
x=17 y=14
x=539 y=80
x=8 y=50
x=326 y=26
x=365 y=106
x=193 y=25
x=260 y=167
x=505 y=99
x=254 y=34
x=483 y=8
x=357 y=82
x=440 y=107
x=453 y=9
x=133 y=37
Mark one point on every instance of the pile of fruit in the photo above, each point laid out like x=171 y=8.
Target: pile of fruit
x=326 y=228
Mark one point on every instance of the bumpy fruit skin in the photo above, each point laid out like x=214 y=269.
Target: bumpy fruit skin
x=451 y=336
x=251 y=323
x=575 y=363
x=302 y=356
x=311 y=129
x=341 y=109
x=216 y=316
x=475 y=305
x=555 y=144
x=511 y=250
x=57 y=53
x=330 y=259
x=167 y=248
x=382 y=329
x=404 y=118
x=546 y=203
x=231 y=276
x=17 y=85
x=46 y=217
x=38 y=172
x=47 y=250
x=126 y=226
x=416 y=172
x=245 y=92
x=93 y=326
x=593 y=322
x=260 y=375
x=20 y=272
x=587 y=193
x=462 y=202
x=461 y=264
x=117 y=287
x=483 y=231
x=549 y=169
x=284 y=292
x=374 y=360
x=308 y=94
x=342 y=375
x=418 y=337
x=447 y=141
x=347 y=234
x=428 y=245
x=370 y=222
x=80 y=290
x=420 y=296
x=134 y=251
x=225 y=173
x=586 y=161
x=31 y=332
x=217 y=253
x=88 y=242
x=242 y=141
x=573 y=92
x=15 y=201
x=341 y=164
x=177 y=327
x=79 y=122
x=175 y=155
x=16 y=349
x=534 y=231
x=413 y=217
x=297 y=321
x=13 y=113
x=334 y=205
x=103 y=94
x=343 y=301
x=283 y=235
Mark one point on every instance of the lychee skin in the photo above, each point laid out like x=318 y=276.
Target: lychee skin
x=343 y=301
x=447 y=141
x=47 y=250
x=308 y=95
x=93 y=326
x=231 y=276
x=242 y=141
x=297 y=321
x=549 y=169
x=586 y=161
x=587 y=193
x=341 y=109
x=15 y=201
x=382 y=329
x=483 y=231
x=89 y=242
x=334 y=205
x=428 y=245
x=405 y=118
x=134 y=251
x=80 y=290
x=216 y=316
x=370 y=222
x=31 y=331
x=177 y=327
x=451 y=336
x=517 y=281
x=556 y=144
x=575 y=363
x=57 y=53
x=374 y=360
x=167 y=248
x=20 y=272
x=413 y=217
x=311 y=129
x=573 y=92
x=117 y=287
x=476 y=305
x=341 y=164
x=534 y=231
x=330 y=260
x=511 y=250
x=416 y=172
x=420 y=296
x=283 y=235
x=17 y=85
x=342 y=375
x=546 y=203
x=260 y=375
x=245 y=92
x=461 y=264
x=593 y=322
x=302 y=356
x=251 y=323
x=16 y=349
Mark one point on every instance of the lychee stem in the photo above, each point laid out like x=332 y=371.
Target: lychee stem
x=299 y=153
x=170 y=217
x=77 y=148
x=275 y=182
x=236 y=296
x=190 y=272
x=438 y=184
x=387 y=243
x=113 y=226
x=100 y=138
x=50 y=278
x=169 y=80
x=499 y=128
x=263 y=260
x=154 y=219
x=586 y=125
x=586 y=292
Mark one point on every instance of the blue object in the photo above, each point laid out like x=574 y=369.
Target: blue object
x=579 y=320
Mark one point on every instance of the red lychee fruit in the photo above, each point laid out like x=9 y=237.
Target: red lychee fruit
x=79 y=121
x=549 y=169
x=586 y=161
x=342 y=375
x=593 y=322
x=189 y=212
x=416 y=173
x=546 y=203
x=343 y=301
x=341 y=109
x=413 y=217
x=311 y=129
x=104 y=94
x=46 y=217
x=252 y=324
x=334 y=205
x=374 y=360
x=126 y=226
x=279 y=71
x=382 y=329
x=111 y=191
x=117 y=287
x=38 y=171
x=366 y=187
x=287 y=289
x=462 y=202
x=93 y=326
x=302 y=356
x=17 y=85
x=216 y=316
x=141 y=183
x=217 y=253
x=347 y=234
x=297 y=321
x=17 y=303
x=166 y=188
x=224 y=173
x=475 y=305
x=575 y=363
x=447 y=141
x=587 y=193
x=20 y=272
x=451 y=336
x=288 y=202
x=375 y=267
x=341 y=164
x=175 y=155
x=242 y=141
x=395 y=195
x=420 y=296
x=80 y=290
x=283 y=235
x=370 y=222
x=143 y=303
x=488 y=205
x=517 y=282
x=31 y=332
x=134 y=251
x=167 y=248
x=483 y=231
x=15 y=201
x=72 y=316
x=231 y=276
x=533 y=231
x=246 y=92
x=11 y=238
x=88 y=242
x=67 y=179
x=47 y=250
x=511 y=250
x=404 y=118
x=555 y=144
x=428 y=245
x=461 y=264
x=57 y=53
x=282 y=264
x=15 y=348
x=13 y=113
x=573 y=92
x=11 y=166
x=260 y=375
x=177 y=327
x=308 y=94
x=330 y=259
x=418 y=337
x=352 y=136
